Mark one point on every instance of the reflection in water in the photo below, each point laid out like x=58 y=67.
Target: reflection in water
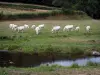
x=80 y=62
x=28 y=60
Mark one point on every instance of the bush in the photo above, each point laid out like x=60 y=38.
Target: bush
x=52 y=49
x=1 y=14
x=74 y=65
x=87 y=53
x=56 y=12
x=37 y=15
x=80 y=12
x=13 y=47
x=3 y=72
x=76 y=51
x=92 y=64
x=6 y=38
x=43 y=14
x=67 y=11
x=3 y=46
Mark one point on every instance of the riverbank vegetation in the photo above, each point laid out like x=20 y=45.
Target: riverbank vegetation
x=70 y=44
x=90 y=68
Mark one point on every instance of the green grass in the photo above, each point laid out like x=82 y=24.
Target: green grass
x=91 y=69
x=16 y=11
x=13 y=14
x=65 y=42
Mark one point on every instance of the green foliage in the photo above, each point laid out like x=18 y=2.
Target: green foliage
x=1 y=14
x=91 y=7
x=6 y=38
x=3 y=72
x=30 y=15
x=76 y=51
x=66 y=43
x=92 y=64
x=42 y=68
x=40 y=15
x=56 y=12
x=57 y=3
x=74 y=66
x=2 y=46
x=13 y=47
x=53 y=11
x=67 y=11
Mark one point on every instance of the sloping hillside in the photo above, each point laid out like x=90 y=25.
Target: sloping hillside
x=16 y=11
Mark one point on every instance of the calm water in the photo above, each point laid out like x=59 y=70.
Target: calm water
x=27 y=60
x=80 y=61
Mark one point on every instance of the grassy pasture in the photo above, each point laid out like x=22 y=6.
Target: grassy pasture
x=61 y=42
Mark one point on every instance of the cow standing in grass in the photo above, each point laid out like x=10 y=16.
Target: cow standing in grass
x=87 y=28
x=68 y=28
x=55 y=29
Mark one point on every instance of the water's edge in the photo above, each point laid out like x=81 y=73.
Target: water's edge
x=31 y=60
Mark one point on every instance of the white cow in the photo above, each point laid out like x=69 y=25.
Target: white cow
x=26 y=26
x=41 y=26
x=12 y=26
x=20 y=28
x=55 y=29
x=77 y=28
x=88 y=28
x=68 y=27
x=37 y=30
x=33 y=26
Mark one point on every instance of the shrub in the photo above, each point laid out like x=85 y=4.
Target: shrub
x=6 y=38
x=1 y=14
x=67 y=11
x=92 y=64
x=87 y=53
x=43 y=14
x=56 y=12
x=13 y=47
x=79 y=12
x=3 y=46
x=74 y=65
x=3 y=72
x=76 y=51
x=52 y=49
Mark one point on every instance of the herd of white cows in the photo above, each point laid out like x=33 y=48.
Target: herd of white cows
x=55 y=29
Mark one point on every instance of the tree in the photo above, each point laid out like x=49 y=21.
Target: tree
x=91 y=7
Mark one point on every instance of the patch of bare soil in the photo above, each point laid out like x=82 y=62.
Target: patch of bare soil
x=39 y=10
